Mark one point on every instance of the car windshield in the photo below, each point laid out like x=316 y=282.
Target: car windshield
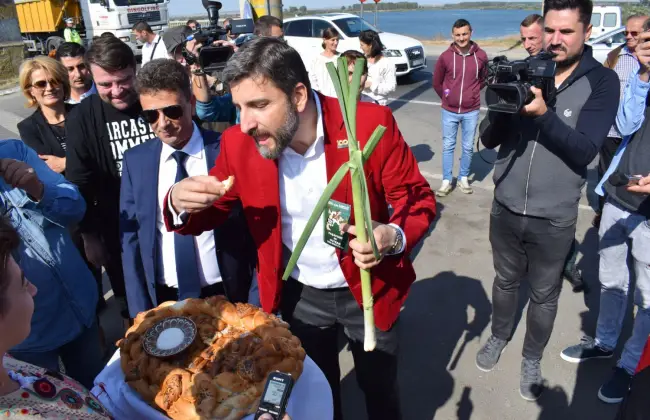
x=352 y=26
x=135 y=2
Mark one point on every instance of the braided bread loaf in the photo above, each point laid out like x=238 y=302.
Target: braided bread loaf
x=223 y=372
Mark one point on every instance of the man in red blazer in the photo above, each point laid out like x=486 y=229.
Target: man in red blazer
x=290 y=143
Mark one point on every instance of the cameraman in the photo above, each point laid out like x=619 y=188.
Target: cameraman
x=213 y=108
x=532 y=34
x=539 y=175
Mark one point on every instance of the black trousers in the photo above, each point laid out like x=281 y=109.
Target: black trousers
x=110 y=233
x=315 y=316
x=535 y=248
x=607 y=152
x=165 y=293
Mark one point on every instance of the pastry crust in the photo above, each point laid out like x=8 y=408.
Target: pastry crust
x=223 y=372
x=228 y=182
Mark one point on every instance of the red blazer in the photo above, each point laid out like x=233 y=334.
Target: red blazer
x=393 y=178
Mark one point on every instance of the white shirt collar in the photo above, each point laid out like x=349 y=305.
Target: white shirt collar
x=155 y=40
x=193 y=148
x=91 y=91
x=320 y=134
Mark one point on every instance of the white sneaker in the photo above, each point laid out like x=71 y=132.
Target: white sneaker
x=463 y=185
x=444 y=189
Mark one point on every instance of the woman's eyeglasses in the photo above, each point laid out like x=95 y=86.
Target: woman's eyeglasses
x=173 y=112
x=42 y=84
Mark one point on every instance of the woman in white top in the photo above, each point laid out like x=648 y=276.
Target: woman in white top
x=382 y=79
x=319 y=77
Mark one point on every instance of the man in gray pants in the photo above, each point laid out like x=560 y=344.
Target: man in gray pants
x=624 y=229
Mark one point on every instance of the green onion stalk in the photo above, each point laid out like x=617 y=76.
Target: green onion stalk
x=348 y=96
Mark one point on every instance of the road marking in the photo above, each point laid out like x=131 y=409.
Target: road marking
x=430 y=103
x=487 y=187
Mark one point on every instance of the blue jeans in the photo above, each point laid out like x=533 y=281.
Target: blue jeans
x=450 y=123
x=622 y=232
x=82 y=357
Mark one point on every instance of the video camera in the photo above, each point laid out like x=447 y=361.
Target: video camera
x=213 y=58
x=509 y=82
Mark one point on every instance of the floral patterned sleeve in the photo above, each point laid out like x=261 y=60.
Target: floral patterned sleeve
x=47 y=395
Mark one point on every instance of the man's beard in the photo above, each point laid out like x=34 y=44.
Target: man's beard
x=571 y=60
x=282 y=137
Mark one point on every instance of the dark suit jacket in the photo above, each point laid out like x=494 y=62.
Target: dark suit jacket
x=138 y=210
x=35 y=133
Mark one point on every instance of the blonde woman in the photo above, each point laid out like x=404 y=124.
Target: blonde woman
x=319 y=77
x=45 y=83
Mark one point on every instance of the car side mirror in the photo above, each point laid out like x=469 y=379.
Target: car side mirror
x=103 y=3
x=609 y=41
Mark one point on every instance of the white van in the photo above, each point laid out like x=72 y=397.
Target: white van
x=605 y=19
x=304 y=34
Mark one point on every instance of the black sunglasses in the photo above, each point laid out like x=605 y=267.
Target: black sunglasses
x=173 y=112
x=42 y=84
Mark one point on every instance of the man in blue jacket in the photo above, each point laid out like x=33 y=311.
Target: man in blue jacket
x=539 y=175
x=41 y=205
x=159 y=265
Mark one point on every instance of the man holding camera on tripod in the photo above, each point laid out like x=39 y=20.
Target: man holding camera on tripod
x=540 y=172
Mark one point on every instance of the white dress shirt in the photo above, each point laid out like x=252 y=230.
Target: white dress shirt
x=148 y=52
x=303 y=179
x=195 y=164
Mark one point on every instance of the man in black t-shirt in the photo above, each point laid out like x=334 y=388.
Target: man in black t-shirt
x=101 y=129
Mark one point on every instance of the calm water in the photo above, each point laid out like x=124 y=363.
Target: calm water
x=428 y=24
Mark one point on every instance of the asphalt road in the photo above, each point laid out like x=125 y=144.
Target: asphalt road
x=437 y=375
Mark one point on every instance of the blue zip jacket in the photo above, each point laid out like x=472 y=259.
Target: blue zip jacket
x=219 y=109
x=67 y=292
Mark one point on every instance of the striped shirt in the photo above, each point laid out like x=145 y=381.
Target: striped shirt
x=626 y=65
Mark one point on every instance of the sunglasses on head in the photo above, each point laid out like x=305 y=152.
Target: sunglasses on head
x=173 y=112
x=42 y=84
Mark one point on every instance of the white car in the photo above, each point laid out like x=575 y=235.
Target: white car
x=304 y=33
x=607 y=42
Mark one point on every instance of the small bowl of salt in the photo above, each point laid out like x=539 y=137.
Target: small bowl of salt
x=169 y=337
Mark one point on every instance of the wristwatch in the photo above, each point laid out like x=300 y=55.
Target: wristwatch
x=399 y=242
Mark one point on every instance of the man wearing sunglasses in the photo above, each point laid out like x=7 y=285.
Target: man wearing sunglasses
x=160 y=266
x=623 y=60
x=103 y=127
x=282 y=156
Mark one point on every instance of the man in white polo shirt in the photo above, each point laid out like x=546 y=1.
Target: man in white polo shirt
x=154 y=46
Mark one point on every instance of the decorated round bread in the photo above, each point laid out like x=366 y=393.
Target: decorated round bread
x=221 y=374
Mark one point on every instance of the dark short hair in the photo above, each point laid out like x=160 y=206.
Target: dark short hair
x=192 y=21
x=9 y=241
x=163 y=74
x=530 y=20
x=142 y=26
x=461 y=23
x=107 y=35
x=110 y=54
x=352 y=56
x=70 y=49
x=584 y=8
x=265 y=23
x=269 y=58
x=371 y=38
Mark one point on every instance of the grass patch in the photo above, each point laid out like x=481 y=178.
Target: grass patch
x=10 y=59
x=504 y=42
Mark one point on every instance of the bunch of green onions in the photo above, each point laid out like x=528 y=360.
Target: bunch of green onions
x=348 y=96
